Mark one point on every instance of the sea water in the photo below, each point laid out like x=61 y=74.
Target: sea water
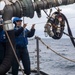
x=50 y=62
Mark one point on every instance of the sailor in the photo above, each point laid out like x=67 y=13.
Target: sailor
x=21 y=39
x=2 y=41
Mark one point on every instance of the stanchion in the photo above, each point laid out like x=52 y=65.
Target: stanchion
x=37 y=48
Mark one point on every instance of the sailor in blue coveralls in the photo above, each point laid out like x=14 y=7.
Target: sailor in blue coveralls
x=21 y=35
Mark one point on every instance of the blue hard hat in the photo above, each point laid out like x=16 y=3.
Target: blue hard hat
x=16 y=19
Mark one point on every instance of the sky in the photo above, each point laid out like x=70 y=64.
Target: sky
x=68 y=11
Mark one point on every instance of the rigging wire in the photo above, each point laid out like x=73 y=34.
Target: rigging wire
x=69 y=35
x=45 y=22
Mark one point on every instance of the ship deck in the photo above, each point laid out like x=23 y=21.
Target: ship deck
x=33 y=72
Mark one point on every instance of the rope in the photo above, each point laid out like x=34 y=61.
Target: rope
x=69 y=30
x=69 y=35
x=13 y=50
x=56 y=52
x=39 y=22
x=23 y=19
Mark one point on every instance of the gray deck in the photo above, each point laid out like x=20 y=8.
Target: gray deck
x=33 y=72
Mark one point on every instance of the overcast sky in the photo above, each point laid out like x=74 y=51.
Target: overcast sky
x=68 y=10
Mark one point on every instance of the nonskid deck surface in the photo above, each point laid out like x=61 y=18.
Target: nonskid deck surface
x=22 y=74
x=33 y=72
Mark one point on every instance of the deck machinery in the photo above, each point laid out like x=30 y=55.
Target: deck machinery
x=21 y=8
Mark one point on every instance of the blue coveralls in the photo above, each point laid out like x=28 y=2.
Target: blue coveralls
x=2 y=45
x=21 y=49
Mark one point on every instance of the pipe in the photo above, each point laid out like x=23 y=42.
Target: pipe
x=8 y=13
x=46 y=4
x=8 y=58
x=26 y=7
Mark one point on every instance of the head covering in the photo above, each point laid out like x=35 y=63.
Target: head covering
x=16 y=19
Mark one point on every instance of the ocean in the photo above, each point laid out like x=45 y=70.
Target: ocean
x=50 y=62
